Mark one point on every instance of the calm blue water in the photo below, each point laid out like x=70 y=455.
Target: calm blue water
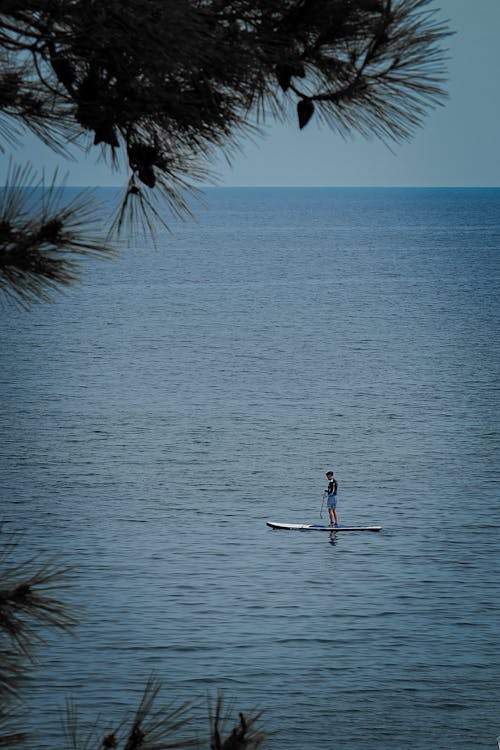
x=155 y=417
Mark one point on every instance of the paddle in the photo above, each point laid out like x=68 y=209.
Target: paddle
x=321 y=511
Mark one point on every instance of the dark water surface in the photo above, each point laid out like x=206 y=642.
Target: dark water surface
x=154 y=418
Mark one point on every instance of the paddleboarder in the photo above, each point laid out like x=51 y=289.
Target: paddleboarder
x=331 y=492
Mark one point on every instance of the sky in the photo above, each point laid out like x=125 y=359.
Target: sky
x=457 y=146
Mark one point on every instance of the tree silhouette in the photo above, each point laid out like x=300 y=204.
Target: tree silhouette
x=29 y=604
x=159 y=86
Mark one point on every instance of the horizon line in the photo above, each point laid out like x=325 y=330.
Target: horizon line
x=294 y=187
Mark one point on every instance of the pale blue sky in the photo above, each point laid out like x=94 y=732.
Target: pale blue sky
x=457 y=146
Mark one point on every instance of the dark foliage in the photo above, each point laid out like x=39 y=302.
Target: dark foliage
x=29 y=605
x=158 y=85
x=41 y=233
x=244 y=734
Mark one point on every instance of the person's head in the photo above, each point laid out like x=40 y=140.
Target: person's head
x=329 y=474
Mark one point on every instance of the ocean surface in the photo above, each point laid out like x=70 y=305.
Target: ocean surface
x=154 y=417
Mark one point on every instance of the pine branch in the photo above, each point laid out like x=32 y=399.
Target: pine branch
x=153 y=727
x=380 y=76
x=41 y=234
x=190 y=79
x=27 y=607
x=243 y=735
x=26 y=104
x=27 y=604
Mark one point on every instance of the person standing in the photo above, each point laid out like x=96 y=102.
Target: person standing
x=331 y=492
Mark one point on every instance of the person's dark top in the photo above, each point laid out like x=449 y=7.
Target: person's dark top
x=332 y=487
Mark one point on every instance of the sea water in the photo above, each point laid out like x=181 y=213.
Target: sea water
x=156 y=416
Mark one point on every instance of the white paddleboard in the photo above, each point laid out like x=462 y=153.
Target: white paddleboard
x=318 y=527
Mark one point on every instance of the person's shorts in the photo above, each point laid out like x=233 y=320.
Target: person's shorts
x=332 y=502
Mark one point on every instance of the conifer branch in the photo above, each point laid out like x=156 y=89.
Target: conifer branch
x=28 y=605
x=41 y=235
x=244 y=735
x=195 y=76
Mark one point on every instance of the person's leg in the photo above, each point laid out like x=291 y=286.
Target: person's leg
x=332 y=512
